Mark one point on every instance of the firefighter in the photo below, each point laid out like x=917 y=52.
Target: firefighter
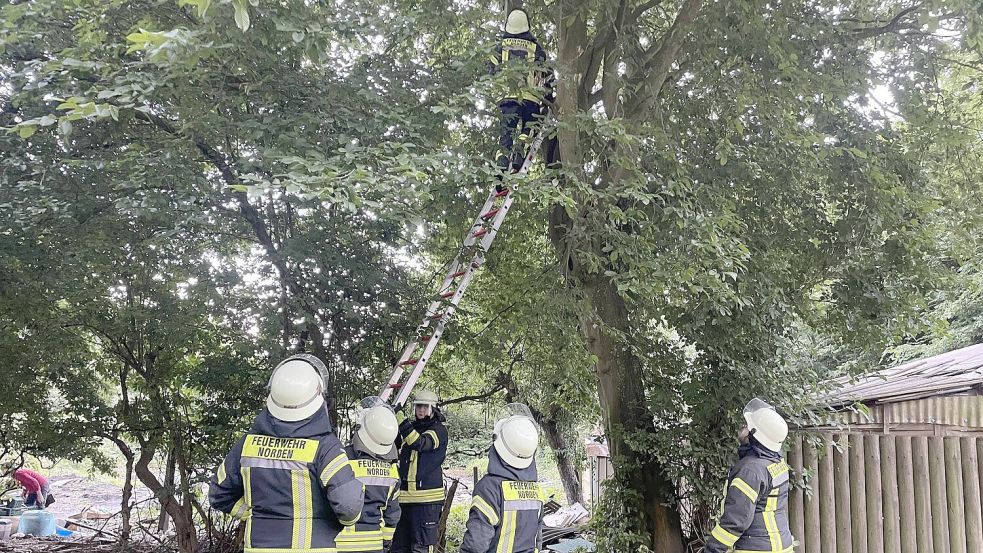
x=372 y=452
x=289 y=477
x=507 y=506
x=422 y=444
x=522 y=102
x=755 y=509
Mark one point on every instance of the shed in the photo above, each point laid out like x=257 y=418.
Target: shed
x=902 y=473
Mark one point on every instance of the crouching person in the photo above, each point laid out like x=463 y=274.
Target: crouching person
x=507 y=507
x=289 y=477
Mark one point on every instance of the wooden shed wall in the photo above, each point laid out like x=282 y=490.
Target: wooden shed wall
x=887 y=493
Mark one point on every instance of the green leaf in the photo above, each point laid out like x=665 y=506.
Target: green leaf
x=242 y=14
x=26 y=131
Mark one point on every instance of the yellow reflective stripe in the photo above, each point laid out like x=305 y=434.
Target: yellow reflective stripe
x=339 y=462
x=303 y=527
x=778 y=468
x=220 y=476
x=247 y=487
x=422 y=496
x=240 y=510
x=479 y=503
x=433 y=436
x=411 y=475
x=290 y=550
x=411 y=438
x=771 y=524
x=790 y=549
x=388 y=533
x=750 y=492
x=513 y=526
x=723 y=536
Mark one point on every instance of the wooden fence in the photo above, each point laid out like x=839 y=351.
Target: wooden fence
x=887 y=493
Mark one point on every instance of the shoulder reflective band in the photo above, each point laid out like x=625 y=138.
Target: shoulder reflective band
x=482 y=506
x=339 y=462
x=750 y=492
x=433 y=436
x=411 y=438
x=724 y=537
x=279 y=449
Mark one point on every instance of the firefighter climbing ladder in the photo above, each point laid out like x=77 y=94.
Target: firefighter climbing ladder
x=459 y=275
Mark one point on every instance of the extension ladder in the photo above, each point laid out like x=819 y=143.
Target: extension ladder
x=456 y=281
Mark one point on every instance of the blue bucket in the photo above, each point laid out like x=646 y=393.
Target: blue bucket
x=37 y=523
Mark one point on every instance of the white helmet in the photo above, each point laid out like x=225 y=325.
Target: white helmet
x=767 y=426
x=377 y=426
x=296 y=388
x=516 y=440
x=517 y=22
x=425 y=397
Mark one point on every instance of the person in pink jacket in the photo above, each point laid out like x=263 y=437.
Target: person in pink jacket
x=36 y=489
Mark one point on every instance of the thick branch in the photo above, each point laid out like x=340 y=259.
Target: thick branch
x=661 y=57
x=896 y=23
x=476 y=397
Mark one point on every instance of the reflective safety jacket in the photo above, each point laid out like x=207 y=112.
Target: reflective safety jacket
x=523 y=51
x=422 y=448
x=292 y=483
x=755 y=511
x=506 y=510
x=380 y=512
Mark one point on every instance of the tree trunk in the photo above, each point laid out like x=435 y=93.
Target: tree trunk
x=566 y=460
x=125 y=508
x=184 y=525
x=623 y=407
x=162 y=520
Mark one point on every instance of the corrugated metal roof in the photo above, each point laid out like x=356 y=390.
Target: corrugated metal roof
x=952 y=373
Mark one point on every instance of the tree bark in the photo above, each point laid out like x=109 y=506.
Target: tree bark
x=566 y=460
x=162 y=520
x=184 y=525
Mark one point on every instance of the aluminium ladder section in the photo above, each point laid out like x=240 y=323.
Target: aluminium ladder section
x=456 y=281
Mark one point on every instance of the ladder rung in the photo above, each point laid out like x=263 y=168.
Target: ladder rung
x=436 y=316
x=480 y=233
x=396 y=386
x=409 y=362
x=503 y=192
x=458 y=274
x=491 y=213
x=448 y=294
x=426 y=338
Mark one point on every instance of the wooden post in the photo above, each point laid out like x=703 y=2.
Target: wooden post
x=971 y=489
x=906 y=495
x=875 y=493
x=858 y=494
x=889 y=485
x=827 y=497
x=920 y=462
x=796 y=501
x=940 y=512
x=841 y=469
x=813 y=538
x=954 y=495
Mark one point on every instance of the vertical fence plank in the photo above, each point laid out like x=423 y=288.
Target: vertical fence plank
x=940 y=511
x=906 y=495
x=971 y=490
x=920 y=455
x=889 y=485
x=827 y=498
x=795 y=499
x=875 y=505
x=858 y=496
x=954 y=495
x=813 y=539
x=841 y=468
